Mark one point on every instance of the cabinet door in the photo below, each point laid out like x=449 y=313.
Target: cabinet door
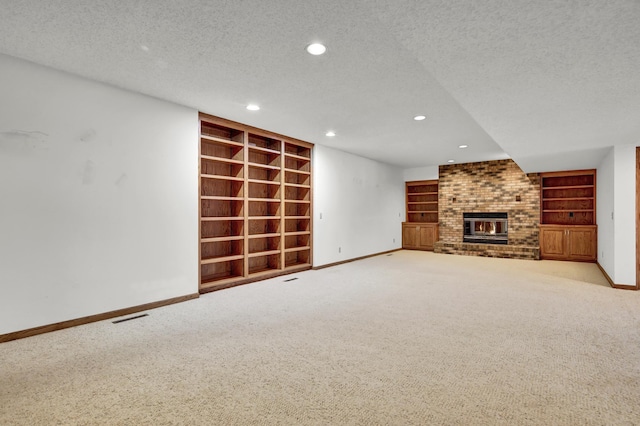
x=428 y=236
x=582 y=244
x=409 y=236
x=553 y=243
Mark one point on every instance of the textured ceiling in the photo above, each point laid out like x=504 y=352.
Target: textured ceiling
x=553 y=84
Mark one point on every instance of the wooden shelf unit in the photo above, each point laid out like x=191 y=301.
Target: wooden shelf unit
x=255 y=204
x=420 y=231
x=568 y=198
x=568 y=215
x=422 y=201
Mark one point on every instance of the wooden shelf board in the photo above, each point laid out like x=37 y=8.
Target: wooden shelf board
x=298 y=185
x=301 y=248
x=221 y=239
x=266 y=200
x=216 y=218
x=298 y=157
x=267 y=182
x=297 y=201
x=567 y=199
x=264 y=253
x=222 y=160
x=422 y=193
x=292 y=265
x=568 y=210
x=422 y=211
x=220 y=177
x=225 y=141
x=422 y=202
x=286 y=234
x=566 y=225
x=301 y=172
x=206 y=261
x=215 y=282
x=219 y=198
x=568 y=187
x=262 y=271
x=253 y=236
x=264 y=217
x=297 y=217
x=267 y=150
x=421 y=222
x=264 y=166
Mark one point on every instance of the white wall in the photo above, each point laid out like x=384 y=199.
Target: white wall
x=616 y=214
x=358 y=206
x=98 y=190
x=624 y=214
x=604 y=214
x=421 y=173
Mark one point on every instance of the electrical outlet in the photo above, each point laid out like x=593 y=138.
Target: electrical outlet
x=394 y=240
x=339 y=249
x=320 y=215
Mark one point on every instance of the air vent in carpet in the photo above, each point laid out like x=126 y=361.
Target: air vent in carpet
x=130 y=318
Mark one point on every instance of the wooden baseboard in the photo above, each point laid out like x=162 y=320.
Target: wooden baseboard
x=93 y=318
x=329 y=265
x=612 y=284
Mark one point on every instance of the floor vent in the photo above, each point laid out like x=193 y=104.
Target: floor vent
x=130 y=318
x=290 y=279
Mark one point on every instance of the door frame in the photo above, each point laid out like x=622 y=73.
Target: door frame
x=637 y=217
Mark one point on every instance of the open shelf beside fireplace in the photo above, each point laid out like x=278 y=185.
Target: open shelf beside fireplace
x=422 y=201
x=568 y=198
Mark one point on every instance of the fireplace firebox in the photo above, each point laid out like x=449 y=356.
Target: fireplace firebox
x=485 y=228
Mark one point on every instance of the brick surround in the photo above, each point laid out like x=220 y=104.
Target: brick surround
x=489 y=186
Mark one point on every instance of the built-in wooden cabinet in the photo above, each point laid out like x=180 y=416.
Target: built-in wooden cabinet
x=419 y=236
x=568 y=215
x=420 y=231
x=255 y=204
x=568 y=242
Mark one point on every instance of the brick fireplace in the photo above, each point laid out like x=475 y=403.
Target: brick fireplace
x=485 y=187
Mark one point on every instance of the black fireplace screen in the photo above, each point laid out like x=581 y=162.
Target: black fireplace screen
x=485 y=228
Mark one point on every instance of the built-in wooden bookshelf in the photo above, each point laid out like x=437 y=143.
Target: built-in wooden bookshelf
x=422 y=201
x=420 y=231
x=568 y=215
x=255 y=204
x=568 y=198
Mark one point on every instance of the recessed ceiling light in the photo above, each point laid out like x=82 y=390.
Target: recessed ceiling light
x=316 y=49
x=463 y=146
x=451 y=161
x=253 y=107
x=330 y=134
x=419 y=117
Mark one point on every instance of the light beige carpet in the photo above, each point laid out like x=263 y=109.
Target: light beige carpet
x=414 y=338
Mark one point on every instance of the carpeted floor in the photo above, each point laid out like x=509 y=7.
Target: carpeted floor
x=413 y=338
